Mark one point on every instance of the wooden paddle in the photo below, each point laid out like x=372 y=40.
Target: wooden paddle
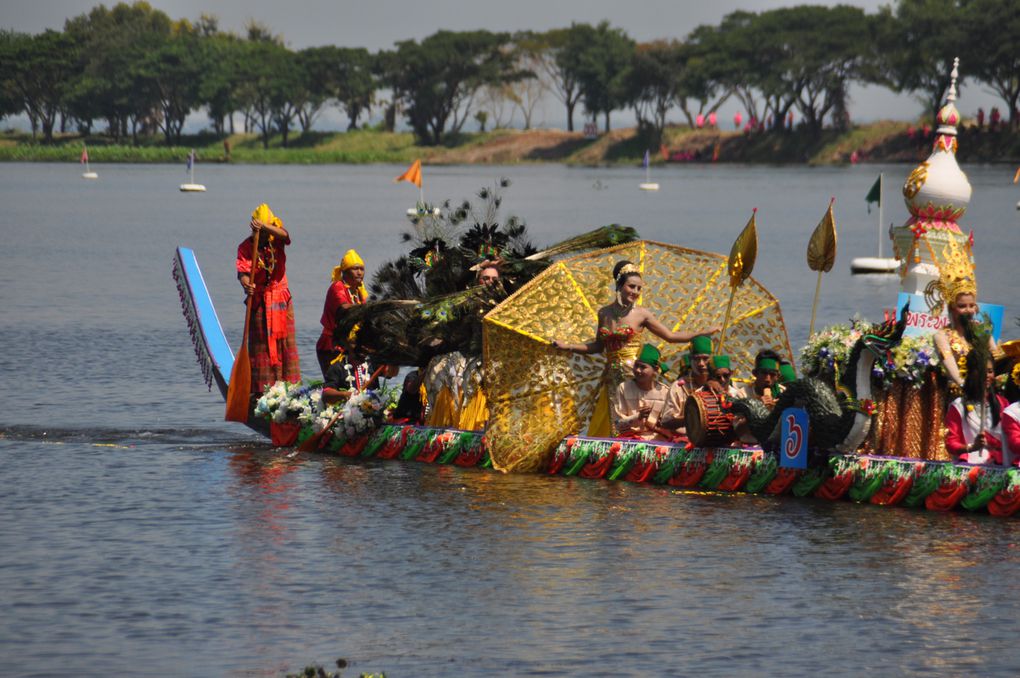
x=311 y=443
x=239 y=388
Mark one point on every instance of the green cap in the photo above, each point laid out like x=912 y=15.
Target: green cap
x=767 y=364
x=650 y=355
x=721 y=362
x=701 y=345
x=786 y=372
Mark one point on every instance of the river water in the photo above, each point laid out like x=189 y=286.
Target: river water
x=141 y=534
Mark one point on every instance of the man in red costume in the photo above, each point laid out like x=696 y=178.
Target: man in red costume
x=272 y=346
x=347 y=289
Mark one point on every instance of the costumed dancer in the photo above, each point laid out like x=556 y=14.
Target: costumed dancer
x=346 y=290
x=619 y=337
x=957 y=289
x=638 y=403
x=272 y=346
x=974 y=420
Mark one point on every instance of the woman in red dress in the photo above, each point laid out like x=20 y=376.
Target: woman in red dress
x=272 y=346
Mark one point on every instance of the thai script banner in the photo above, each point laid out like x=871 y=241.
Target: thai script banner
x=920 y=321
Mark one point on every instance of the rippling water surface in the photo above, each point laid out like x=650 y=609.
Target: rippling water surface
x=143 y=535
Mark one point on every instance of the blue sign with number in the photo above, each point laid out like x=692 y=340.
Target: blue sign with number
x=793 y=450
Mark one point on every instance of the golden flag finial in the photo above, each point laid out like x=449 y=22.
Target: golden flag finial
x=821 y=250
x=744 y=252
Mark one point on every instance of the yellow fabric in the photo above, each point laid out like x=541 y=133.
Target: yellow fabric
x=351 y=259
x=474 y=413
x=601 y=426
x=264 y=214
x=444 y=410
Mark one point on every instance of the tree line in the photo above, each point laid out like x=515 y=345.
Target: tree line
x=141 y=73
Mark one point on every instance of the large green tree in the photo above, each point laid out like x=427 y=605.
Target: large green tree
x=39 y=70
x=915 y=44
x=601 y=58
x=992 y=51
x=654 y=83
x=115 y=43
x=439 y=77
x=355 y=82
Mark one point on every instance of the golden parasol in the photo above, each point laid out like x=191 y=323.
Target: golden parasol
x=538 y=395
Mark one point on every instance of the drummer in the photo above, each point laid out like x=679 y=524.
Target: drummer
x=695 y=380
x=638 y=403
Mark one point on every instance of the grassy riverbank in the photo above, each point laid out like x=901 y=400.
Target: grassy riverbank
x=884 y=141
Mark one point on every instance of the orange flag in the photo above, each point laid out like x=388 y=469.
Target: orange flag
x=413 y=174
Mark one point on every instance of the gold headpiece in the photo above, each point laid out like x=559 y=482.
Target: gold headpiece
x=956 y=277
x=627 y=270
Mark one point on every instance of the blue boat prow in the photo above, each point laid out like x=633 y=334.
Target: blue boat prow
x=211 y=348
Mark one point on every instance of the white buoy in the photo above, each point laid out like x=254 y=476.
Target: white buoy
x=648 y=184
x=413 y=212
x=874 y=265
x=879 y=264
x=88 y=173
x=191 y=186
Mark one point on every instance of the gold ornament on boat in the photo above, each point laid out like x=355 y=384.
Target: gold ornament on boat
x=538 y=394
x=821 y=251
x=956 y=277
x=916 y=180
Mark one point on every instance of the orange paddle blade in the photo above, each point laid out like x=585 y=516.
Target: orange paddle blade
x=239 y=389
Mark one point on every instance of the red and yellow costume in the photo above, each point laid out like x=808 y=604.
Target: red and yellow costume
x=272 y=346
x=338 y=295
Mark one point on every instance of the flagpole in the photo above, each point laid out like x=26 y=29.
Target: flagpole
x=880 y=219
x=814 y=305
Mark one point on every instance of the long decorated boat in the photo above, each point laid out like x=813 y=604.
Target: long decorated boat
x=863 y=478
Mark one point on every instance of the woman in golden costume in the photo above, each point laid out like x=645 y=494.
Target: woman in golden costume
x=620 y=325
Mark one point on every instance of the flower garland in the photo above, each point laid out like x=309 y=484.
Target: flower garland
x=363 y=412
x=829 y=350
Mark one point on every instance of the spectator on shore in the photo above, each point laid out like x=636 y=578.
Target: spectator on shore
x=737 y=119
x=789 y=120
x=981 y=118
x=712 y=119
x=699 y=121
x=993 y=119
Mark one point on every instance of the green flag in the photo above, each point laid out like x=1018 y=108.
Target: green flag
x=875 y=194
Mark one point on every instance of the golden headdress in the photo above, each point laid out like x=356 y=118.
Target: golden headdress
x=956 y=277
x=626 y=270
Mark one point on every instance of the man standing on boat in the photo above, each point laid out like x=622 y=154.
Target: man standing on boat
x=346 y=290
x=272 y=345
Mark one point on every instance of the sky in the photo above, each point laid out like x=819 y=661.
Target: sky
x=378 y=24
